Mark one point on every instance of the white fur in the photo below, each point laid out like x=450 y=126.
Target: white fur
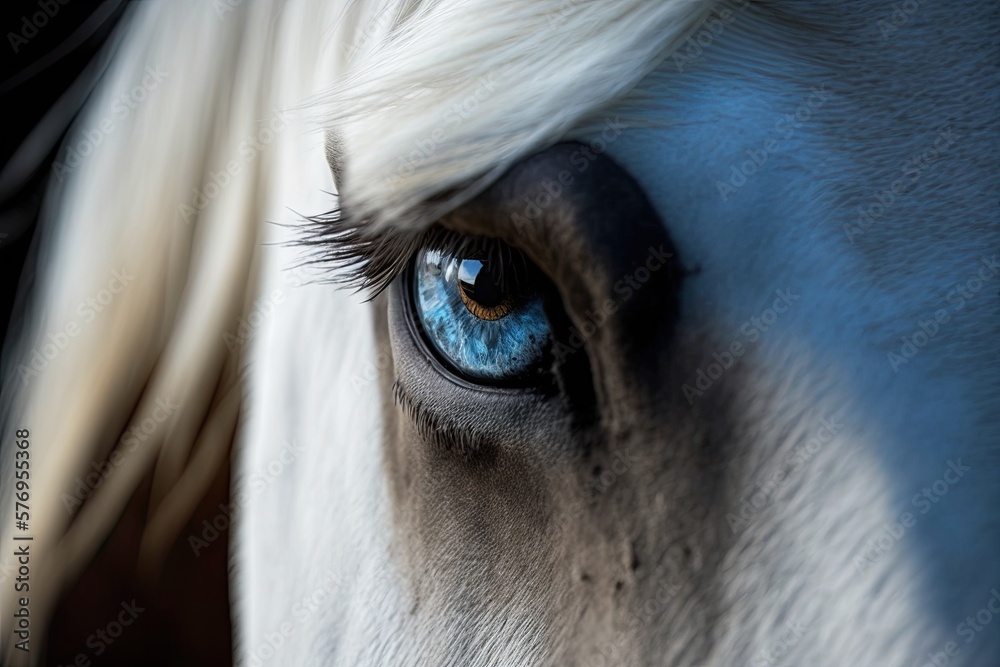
x=313 y=544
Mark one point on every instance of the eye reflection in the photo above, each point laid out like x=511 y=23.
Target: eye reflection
x=485 y=326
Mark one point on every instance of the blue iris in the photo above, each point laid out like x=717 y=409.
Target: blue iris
x=482 y=327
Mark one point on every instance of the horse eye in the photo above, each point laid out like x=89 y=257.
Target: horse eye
x=484 y=314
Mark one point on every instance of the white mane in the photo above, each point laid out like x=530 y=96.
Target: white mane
x=178 y=195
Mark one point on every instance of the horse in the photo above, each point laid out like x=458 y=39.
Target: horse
x=549 y=332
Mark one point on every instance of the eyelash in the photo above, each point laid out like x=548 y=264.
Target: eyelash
x=369 y=261
x=435 y=429
x=352 y=254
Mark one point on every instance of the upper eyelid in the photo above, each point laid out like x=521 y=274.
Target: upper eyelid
x=370 y=260
x=354 y=255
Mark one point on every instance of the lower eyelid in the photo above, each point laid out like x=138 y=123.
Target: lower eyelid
x=434 y=428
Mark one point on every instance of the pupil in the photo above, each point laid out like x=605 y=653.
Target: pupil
x=479 y=284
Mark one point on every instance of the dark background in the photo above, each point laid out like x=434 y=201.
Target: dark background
x=185 y=617
x=32 y=78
